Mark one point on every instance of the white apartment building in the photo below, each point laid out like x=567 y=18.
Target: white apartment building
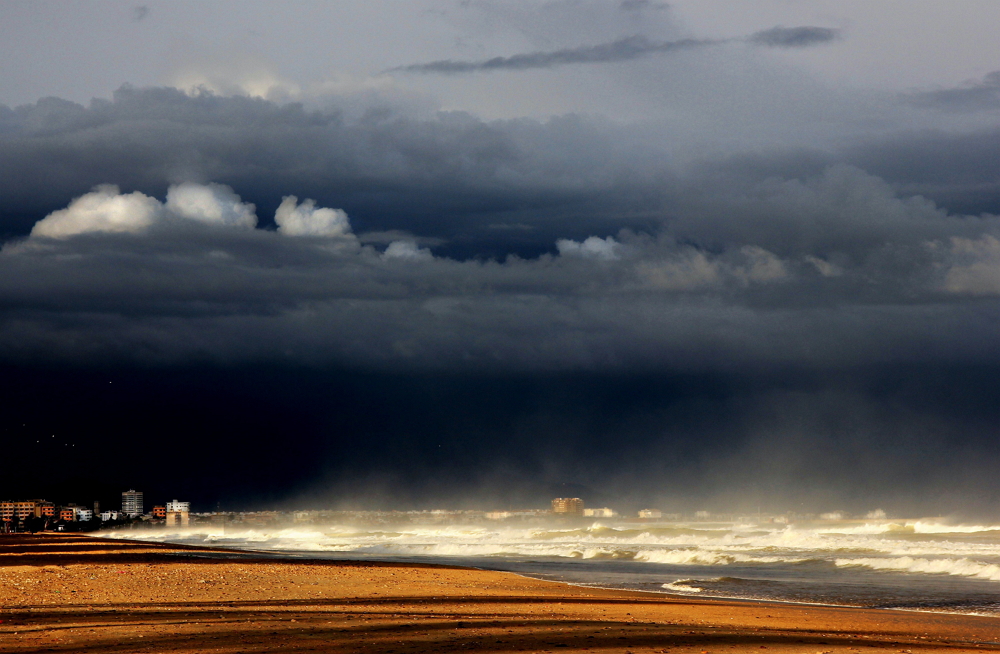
x=132 y=503
x=178 y=513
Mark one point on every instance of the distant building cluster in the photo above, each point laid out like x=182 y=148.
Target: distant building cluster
x=20 y=510
x=15 y=514
x=42 y=515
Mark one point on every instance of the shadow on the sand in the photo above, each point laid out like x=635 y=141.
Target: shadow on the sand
x=318 y=631
x=388 y=603
x=445 y=613
x=58 y=549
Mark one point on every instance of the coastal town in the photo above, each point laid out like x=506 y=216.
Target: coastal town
x=42 y=515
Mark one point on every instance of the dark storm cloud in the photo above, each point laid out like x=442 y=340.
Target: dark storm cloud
x=793 y=37
x=983 y=95
x=725 y=266
x=167 y=289
x=955 y=169
x=626 y=49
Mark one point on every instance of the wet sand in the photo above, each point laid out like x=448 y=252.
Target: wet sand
x=64 y=593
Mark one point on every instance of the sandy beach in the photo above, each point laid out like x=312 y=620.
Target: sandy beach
x=70 y=593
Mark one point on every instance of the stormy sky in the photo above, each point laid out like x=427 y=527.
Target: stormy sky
x=422 y=254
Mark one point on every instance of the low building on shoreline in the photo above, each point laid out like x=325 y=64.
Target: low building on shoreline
x=178 y=513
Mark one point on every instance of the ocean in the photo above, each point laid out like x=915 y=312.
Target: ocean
x=913 y=564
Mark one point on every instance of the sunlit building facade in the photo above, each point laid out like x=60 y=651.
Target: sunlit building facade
x=132 y=503
x=15 y=511
x=567 y=506
x=178 y=513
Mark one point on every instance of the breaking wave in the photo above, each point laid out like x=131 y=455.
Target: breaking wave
x=684 y=586
x=865 y=563
x=866 y=544
x=962 y=567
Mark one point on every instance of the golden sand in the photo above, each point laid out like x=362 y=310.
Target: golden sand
x=66 y=593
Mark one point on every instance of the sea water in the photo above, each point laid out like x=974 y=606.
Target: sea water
x=915 y=564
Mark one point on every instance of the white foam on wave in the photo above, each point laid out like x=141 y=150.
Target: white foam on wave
x=929 y=527
x=711 y=558
x=870 y=528
x=683 y=586
x=961 y=567
x=859 y=545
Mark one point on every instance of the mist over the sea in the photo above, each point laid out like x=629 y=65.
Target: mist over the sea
x=253 y=437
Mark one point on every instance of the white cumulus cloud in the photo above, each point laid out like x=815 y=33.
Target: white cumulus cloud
x=214 y=204
x=594 y=248
x=105 y=209
x=305 y=219
x=407 y=250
